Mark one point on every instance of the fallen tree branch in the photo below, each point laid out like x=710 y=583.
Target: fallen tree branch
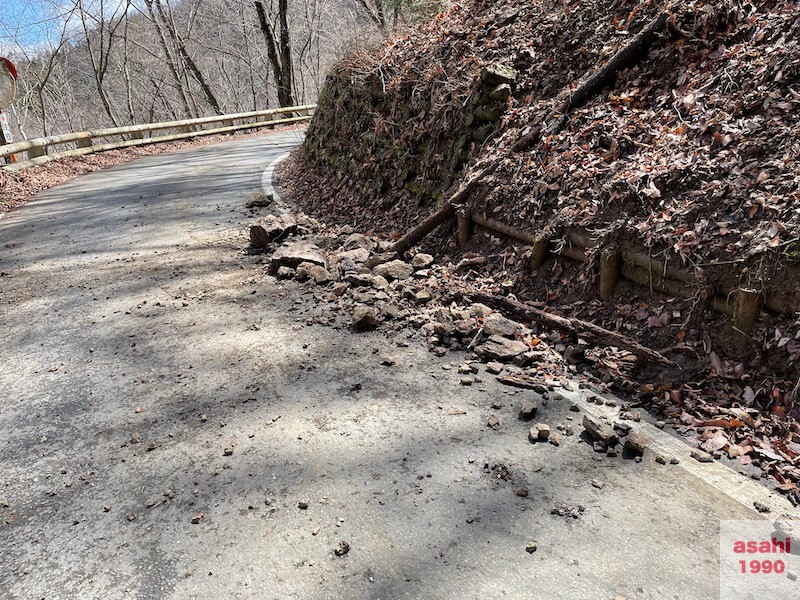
x=590 y=85
x=594 y=334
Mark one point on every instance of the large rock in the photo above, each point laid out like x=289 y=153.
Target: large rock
x=394 y=269
x=497 y=324
x=500 y=348
x=270 y=229
x=496 y=74
x=292 y=254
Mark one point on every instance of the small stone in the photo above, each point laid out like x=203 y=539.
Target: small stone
x=660 y=424
x=599 y=431
x=661 y=460
x=521 y=492
x=598 y=484
x=674 y=461
x=701 y=456
x=470 y=518
x=198 y=518
x=493 y=422
x=364 y=318
x=575 y=408
x=623 y=428
x=394 y=269
x=792 y=575
x=388 y=361
x=286 y=273
x=554 y=439
x=636 y=442
x=318 y=273
x=227 y=452
x=539 y=432
x=528 y=410
x=612 y=453
x=422 y=260
x=637 y=458
x=342 y=548
x=531 y=547
x=762 y=508
x=599 y=446
x=467 y=381
x=495 y=368
x=303 y=504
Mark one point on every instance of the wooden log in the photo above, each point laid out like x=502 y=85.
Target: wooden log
x=745 y=316
x=609 y=271
x=656 y=282
x=504 y=228
x=594 y=334
x=464 y=227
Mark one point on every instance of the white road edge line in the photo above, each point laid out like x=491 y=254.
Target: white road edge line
x=269 y=174
x=717 y=475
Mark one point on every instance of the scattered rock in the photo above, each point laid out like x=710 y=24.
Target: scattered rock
x=358 y=240
x=303 y=504
x=286 y=272
x=270 y=229
x=364 y=318
x=636 y=442
x=598 y=484
x=378 y=259
x=497 y=324
x=661 y=460
x=495 y=74
x=701 y=456
x=521 y=492
x=259 y=200
x=493 y=422
x=500 y=348
x=539 y=432
x=198 y=518
x=531 y=547
x=421 y=260
x=674 y=461
x=292 y=254
x=600 y=431
x=307 y=270
x=528 y=410
x=227 y=452
x=470 y=518
x=495 y=368
x=762 y=508
x=394 y=269
x=342 y=548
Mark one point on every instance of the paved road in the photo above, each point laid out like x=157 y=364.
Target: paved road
x=140 y=345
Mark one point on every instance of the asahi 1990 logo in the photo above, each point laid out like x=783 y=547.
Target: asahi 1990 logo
x=758 y=558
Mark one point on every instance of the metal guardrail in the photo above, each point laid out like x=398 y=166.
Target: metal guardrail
x=141 y=135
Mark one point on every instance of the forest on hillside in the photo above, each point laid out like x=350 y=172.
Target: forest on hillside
x=94 y=63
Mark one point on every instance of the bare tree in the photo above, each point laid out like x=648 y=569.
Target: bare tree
x=279 y=49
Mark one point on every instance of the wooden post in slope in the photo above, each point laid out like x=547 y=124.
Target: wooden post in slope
x=745 y=316
x=609 y=271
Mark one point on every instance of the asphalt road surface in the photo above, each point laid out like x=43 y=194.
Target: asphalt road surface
x=165 y=409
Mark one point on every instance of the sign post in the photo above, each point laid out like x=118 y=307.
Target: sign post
x=8 y=90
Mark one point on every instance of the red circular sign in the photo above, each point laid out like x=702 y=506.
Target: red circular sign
x=8 y=83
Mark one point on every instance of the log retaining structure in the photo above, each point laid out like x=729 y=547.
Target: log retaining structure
x=743 y=303
x=38 y=150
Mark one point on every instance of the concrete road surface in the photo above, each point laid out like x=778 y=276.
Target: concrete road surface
x=165 y=409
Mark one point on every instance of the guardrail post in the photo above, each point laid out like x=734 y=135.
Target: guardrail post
x=85 y=143
x=137 y=135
